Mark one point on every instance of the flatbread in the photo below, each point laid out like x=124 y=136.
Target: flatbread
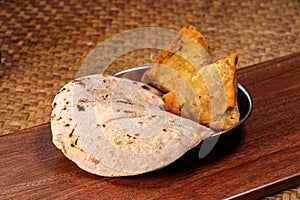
x=195 y=87
x=117 y=127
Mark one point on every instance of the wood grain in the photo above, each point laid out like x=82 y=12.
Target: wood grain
x=259 y=159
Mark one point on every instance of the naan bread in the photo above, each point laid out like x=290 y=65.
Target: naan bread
x=117 y=127
x=195 y=87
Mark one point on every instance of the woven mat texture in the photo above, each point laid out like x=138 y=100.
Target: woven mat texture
x=43 y=43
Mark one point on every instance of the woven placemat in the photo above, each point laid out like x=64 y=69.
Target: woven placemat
x=43 y=43
x=291 y=194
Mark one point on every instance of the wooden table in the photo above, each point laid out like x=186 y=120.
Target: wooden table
x=261 y=158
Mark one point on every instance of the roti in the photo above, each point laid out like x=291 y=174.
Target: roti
x=194 y=86
x=117 y=127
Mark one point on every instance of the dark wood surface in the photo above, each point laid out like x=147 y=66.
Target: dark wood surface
x=261 y=158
